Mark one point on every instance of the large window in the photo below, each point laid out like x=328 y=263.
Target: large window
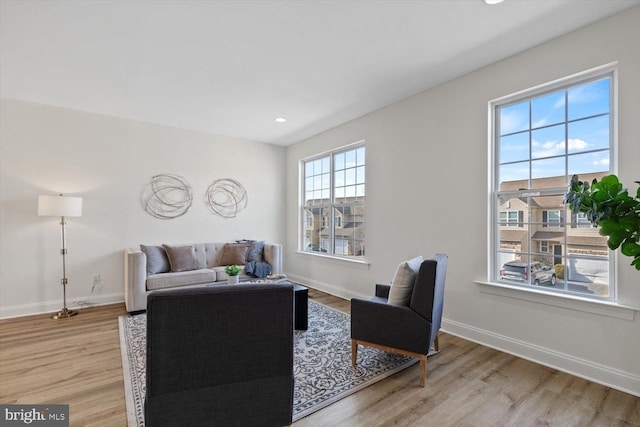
x=334 y=203
x=540 y=139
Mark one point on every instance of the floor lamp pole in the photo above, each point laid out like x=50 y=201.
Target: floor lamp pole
x=65 y=312
x=61 y=207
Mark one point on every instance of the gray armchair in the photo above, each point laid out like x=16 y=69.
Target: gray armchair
x=220 y=355
x=410 y=331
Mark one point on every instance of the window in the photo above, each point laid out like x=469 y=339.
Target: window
x=309 y=221
x=541 y=138
x=552 y=218
x=334 y=197
x=544 y=246
x=581 y=221
x=511 y=218
x=337 y=215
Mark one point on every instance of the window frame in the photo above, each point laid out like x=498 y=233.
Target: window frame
x=330 y=209
x=493 y=218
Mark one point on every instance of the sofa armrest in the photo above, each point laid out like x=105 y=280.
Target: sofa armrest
x=273 y=255
x=135 y=278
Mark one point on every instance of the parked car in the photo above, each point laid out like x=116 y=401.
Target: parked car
x=518 y=271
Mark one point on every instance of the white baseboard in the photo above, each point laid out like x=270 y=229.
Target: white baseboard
x=327 y=288
x=598 y=373
x=53 y=306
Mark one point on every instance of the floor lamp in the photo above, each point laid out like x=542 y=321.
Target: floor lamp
x=62 y=206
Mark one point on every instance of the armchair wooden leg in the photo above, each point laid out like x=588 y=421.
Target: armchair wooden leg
x=354 y=352
x=423 y=370
x=436 y=344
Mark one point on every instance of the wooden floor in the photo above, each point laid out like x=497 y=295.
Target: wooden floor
x=77 y=361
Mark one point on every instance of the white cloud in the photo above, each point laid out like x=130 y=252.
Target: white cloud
x=577 y=144
x=511 y=121
x=556 y=148
x=559 y=103
x=540 y=123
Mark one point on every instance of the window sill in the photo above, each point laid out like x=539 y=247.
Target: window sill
x=604 y=308
x=363 y=264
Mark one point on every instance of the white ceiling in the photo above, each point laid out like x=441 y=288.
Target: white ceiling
x=231 y=67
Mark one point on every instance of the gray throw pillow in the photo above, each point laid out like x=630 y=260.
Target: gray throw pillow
x=403 y=280
x=234 y=254
x=182 y=258
x=255 y=251
x=157 y=261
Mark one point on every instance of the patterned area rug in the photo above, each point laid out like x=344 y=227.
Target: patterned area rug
x=322 y=363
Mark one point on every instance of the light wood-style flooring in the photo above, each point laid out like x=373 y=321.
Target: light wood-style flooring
x=77 y=361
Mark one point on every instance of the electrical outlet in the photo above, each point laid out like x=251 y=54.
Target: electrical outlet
x=95 y=289
x=96 y=279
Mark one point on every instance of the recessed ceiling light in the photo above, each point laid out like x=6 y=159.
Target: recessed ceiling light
x=492 y=1
x=280 y=119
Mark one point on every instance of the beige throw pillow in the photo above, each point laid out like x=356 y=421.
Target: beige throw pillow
x=235 y=254
x=403 y=280
x=181 y=258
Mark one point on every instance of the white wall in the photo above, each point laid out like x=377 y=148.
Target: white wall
x=427 y=161
x=108 y=161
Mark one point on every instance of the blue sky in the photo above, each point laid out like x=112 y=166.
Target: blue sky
x=544 y=140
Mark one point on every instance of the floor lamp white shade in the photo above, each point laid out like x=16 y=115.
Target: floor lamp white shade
x=62 y=206
x=59 y=206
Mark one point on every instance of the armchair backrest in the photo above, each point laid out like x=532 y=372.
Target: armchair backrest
x=209 y=349
x=428 y=291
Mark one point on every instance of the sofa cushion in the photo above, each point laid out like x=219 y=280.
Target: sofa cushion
x=403 y=280
x=157 y=261
x=181 y=258
x=208 y=253
x=181 y=278
x=234 y=254
x=255 y=251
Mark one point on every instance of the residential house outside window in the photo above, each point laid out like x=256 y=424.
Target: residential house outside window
x=334 y=200
x=541 y=138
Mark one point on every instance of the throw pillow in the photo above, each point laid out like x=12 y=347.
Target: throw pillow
x=255 y=251
x=234 y=254
x=157 y=261
x=182 y=258
x=403 y=280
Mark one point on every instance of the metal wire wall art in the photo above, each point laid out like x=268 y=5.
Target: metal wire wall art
x=226 y=197
x=167 y=196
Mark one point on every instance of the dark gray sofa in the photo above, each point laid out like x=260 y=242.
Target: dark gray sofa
x=220 y=355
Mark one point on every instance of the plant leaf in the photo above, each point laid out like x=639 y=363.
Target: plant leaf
x=630 y=248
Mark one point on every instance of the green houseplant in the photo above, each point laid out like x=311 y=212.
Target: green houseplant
x=608 y=205
x=232 y=271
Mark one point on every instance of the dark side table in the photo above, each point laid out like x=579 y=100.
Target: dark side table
x=300 y=307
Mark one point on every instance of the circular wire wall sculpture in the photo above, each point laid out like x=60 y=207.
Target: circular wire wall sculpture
x=226 y=197
x=167 y=196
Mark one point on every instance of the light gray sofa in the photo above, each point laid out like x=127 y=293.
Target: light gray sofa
x=209 y=269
